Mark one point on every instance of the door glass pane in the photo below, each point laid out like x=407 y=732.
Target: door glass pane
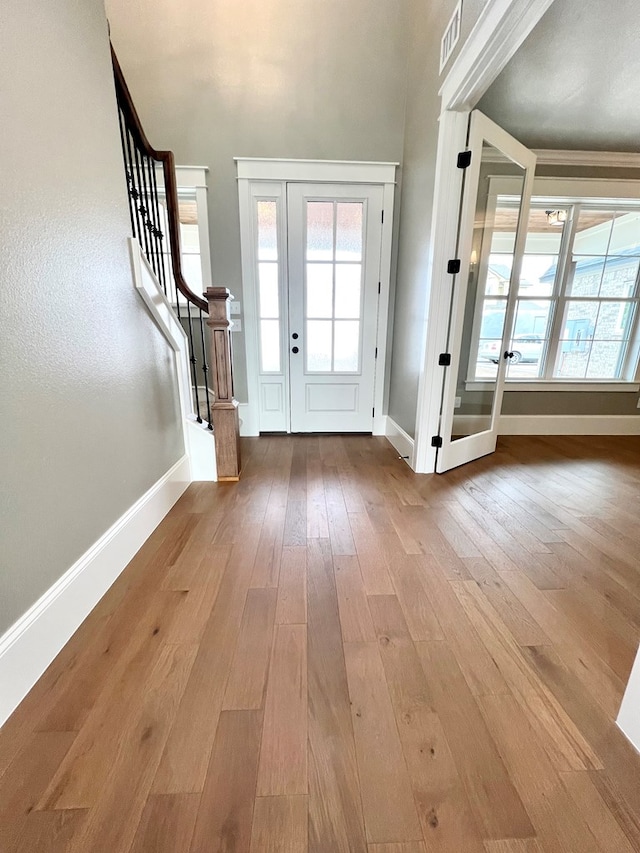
x=268 y=287
x=267 y=231
x=349 y=231
x=495 y=224
x=585 y=275
x=319 y=345
x=346 y=345
x=593 y=232
x=594 y=339
x=578 y=329
x=266 y=212
x=320 y=290
x=530 y=336
x=619 y=276
x=490 y=342
x=320 y=231
x=270 y=346
x=625 y=237
x=348 y=288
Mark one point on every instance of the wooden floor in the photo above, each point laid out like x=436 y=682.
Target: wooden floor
x=336 y=654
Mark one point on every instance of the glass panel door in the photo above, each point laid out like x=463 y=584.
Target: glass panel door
x=491 y=242
x=334 y=239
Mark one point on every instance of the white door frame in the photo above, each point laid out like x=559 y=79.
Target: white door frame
x=502 y=27
x=256 y=169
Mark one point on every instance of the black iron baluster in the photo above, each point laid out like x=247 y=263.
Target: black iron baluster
x=159 y=233
x=205 y=371
x=194 y=364
x=135 y=189
x=127 y=170
x=153 y=225
x=141 y=202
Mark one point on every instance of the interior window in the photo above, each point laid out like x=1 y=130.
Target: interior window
x=577 y=295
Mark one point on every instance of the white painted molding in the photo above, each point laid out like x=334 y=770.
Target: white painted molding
x=629 y=717
x=501 y=28
x=187 y=177
x=551 y=385
x=400 y=439
x=199 y=445
x=29 y=646
x=443 y=242
x=566 y=157
x=611 y=159
x=569 y=425
x=312 y=171
x=552 y=424
x=248 y=423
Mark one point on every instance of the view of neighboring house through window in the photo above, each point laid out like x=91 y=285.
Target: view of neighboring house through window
x=576 y=306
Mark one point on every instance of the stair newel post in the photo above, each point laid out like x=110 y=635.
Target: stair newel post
x=224 y=411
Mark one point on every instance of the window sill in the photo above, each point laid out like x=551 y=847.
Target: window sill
x=556 y=385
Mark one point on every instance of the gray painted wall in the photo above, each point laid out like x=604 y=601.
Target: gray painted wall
x=90 y=418
x=214 y=80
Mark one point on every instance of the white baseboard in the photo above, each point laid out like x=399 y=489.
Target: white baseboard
x=569 y=425
x=551 y=424
x=400 y=439
x=247 y=425
x=29 y=646
x=629 y=716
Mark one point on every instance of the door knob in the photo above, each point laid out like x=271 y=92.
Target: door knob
x=294 y=349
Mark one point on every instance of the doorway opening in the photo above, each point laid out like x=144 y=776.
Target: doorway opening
x=316 y=251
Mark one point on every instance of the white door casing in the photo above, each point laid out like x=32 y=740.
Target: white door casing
x=262 y=180
x=503 y=25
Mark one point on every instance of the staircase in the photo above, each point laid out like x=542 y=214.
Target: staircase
x=153 y=207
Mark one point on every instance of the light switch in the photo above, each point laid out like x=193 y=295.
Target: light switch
x=235 y=307
x=236 y=325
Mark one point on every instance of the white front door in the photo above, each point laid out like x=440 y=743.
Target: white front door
x=334 y=241
x=316 y=268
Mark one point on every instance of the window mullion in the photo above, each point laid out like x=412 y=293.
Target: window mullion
x=560 y=292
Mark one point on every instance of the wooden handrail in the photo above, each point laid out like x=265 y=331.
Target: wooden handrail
x=134 y=124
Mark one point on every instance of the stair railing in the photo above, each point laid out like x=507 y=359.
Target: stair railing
x=148 y=224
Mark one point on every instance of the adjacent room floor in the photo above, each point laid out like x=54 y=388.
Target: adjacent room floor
x=337 y=654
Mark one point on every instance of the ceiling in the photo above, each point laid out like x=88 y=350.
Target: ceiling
x=575 y=82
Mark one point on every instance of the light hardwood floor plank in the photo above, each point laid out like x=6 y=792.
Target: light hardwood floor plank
x=248 y=676
x=335 y=809
x=292 y=586
x=387 y=797
x=280 y=825
x=226 y=807
x=496 y=804
x=355 y=618
x=283 y=755
x=166 y=825
x=448 y=825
